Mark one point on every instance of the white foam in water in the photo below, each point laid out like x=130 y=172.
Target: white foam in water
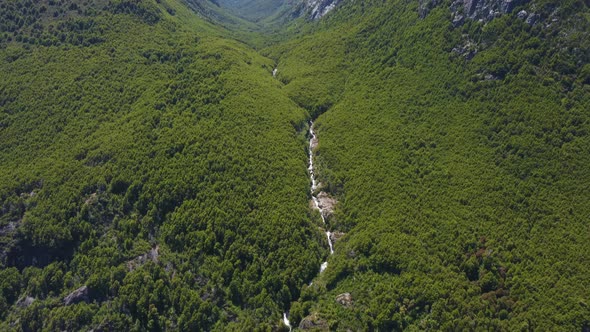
x=330 y=242
x=286 y=320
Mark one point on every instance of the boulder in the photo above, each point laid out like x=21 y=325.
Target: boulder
x=326 y=203
x=314 y=143
x=92 y=199
x=344 y=299
x=77 y=296
x=314 y=322
x=336 y=236
x=522 y=14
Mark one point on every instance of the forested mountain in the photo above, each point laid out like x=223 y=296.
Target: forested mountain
x=155 y=171
x=458 y=151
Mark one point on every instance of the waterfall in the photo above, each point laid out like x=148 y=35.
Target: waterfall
x=286 y=321
x=313 y=140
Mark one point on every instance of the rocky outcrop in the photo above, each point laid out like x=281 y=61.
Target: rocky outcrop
x=318 y=8
x=336 y=236
x=458 y=20
x=345 y=300
x=530 y=19
x=92 y=199
x=314 y=322
x=25 y=301
x=326 y=203
x=483 y=10
x=8 y=229
x=151 y=255
x=467 y=50
x=77 y=296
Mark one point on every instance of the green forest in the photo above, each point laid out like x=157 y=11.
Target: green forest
x=154 y=163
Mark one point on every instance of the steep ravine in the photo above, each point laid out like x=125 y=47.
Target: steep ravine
x=321 y=202
x=313 y=142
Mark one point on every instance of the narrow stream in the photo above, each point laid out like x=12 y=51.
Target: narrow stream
x=313 y=142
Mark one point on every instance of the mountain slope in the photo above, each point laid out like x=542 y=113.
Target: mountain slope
x=457 y=153
x=150 y=180
x=153 y=168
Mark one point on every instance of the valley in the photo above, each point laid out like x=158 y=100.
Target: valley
x=266 y=165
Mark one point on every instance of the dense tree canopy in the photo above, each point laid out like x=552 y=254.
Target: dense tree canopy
x=153 y=172
x=461 y=179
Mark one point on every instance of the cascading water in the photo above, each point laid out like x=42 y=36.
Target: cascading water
x=313 y=141
x=286 y=321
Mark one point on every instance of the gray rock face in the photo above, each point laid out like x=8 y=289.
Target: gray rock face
x=77 y=296
x=470 y=6
x=484 y=10
x=344 y=299
x=319 y=8
x=8 y=231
